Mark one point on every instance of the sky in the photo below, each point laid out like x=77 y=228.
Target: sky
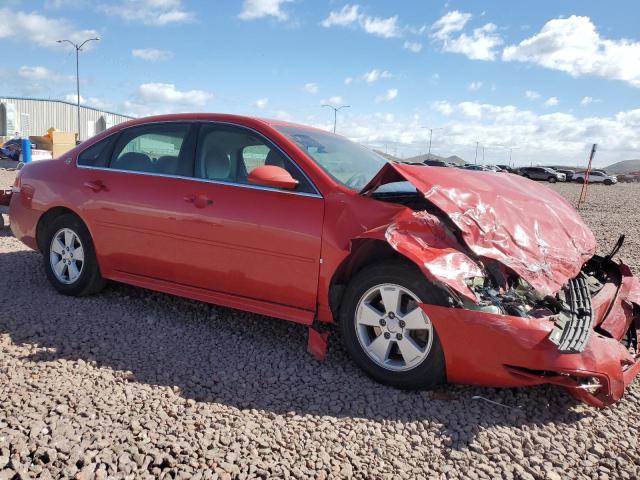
x=538 y=81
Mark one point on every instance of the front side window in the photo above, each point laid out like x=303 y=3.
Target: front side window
x=348 y=163
x=227 y=153
x=158 y=148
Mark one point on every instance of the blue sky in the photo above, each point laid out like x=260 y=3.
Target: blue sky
x=547 y=78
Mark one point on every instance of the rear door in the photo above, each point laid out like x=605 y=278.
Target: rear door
x=248 y=240
x=134 y=193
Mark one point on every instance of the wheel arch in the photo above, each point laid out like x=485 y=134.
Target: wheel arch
x=364 y=252
x=49 y=216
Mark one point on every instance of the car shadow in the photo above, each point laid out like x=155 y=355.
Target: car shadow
x=214 y=354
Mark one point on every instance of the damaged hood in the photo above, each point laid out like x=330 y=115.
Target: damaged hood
x=522 y=224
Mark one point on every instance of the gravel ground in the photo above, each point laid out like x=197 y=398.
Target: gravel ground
x=135 y=384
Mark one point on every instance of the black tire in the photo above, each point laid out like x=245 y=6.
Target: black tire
x=431 y=371
x=579 y=180
x=552 y=179
x=90 y=281
x=608 y=182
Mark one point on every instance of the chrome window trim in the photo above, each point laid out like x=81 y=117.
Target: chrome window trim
x=317 y=193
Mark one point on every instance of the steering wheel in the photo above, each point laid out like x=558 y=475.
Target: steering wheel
x=356 y=179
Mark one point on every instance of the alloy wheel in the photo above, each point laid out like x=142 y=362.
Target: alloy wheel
x=66 y=255
x=392 y=329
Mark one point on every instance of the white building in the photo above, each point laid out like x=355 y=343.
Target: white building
x=34 y=116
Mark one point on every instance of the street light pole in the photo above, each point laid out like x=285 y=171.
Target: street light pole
x=335 y=113
x=78 y=47
x=475 y=160
x=431 y=138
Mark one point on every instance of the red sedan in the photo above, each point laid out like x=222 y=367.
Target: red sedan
x=431 y=274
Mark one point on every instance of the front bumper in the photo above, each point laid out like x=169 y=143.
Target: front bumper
x=509 y=351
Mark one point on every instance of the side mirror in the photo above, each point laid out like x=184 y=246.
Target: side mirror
x=272 y=176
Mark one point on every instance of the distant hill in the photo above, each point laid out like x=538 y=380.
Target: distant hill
x=431 y=156
x=624 y=166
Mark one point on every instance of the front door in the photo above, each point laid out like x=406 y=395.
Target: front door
x=251 y=241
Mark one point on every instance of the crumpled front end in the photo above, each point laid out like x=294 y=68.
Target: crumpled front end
x=589 y=346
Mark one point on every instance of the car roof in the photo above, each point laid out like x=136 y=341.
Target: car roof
x=219 y=117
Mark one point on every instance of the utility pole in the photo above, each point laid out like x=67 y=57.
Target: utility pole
x=431 y=137
x=475 y=159
x=335 y=113
x=483 y=155
x=78 y=47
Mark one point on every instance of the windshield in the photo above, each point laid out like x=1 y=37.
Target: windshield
x=348 y=163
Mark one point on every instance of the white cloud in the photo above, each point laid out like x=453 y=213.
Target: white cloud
x=311 y=88
x=451 y=22
x=152 y=54
x=415 y=47
x=474 y=86
x=556 y=137
x=573 y=45
x=261 y=103
x=589 y=100
x=157 y=98
x=89 y=102
x=375 y=75
x=442 y=107
x=352 y=15
x=252 y=9
x=149 y=12
x=389 y=95
x=532 y=94
x=348 y=81
x=348 y=15
x=335 y=101
x=39 y=73
x=551 y=102
x=167 y=93
x=482 y=44
x=40 y=29
x=382 y=27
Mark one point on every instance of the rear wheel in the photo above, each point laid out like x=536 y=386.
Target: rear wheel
x=69 y=257
x=385 y=331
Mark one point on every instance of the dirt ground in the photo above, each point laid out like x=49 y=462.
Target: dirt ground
x=135 y=384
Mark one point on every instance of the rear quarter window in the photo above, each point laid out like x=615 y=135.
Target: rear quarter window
x=96 y=155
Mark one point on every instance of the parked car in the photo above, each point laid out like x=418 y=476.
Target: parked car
x=542 y=173
x=478 y=168
x=507 y=168
x=435 y=163
x=410 y=263
x=595 y=176
x=567 y=173
x=631 y=177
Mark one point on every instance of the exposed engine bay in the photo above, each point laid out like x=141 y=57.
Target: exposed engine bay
x=502 y=291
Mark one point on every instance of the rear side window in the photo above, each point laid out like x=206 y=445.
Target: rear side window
x=96 y=155
x=161 y=148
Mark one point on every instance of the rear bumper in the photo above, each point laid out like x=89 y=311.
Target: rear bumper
x=24 y=219
x=509 y=351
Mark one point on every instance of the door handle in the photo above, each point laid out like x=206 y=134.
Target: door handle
x=96 y=185
x=199 y=201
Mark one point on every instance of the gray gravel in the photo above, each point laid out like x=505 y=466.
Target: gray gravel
x=135 y=384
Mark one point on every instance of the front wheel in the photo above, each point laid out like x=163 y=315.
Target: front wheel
x=552 y=179
x=69 y=257
x=608 y=182
x=386 y=332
